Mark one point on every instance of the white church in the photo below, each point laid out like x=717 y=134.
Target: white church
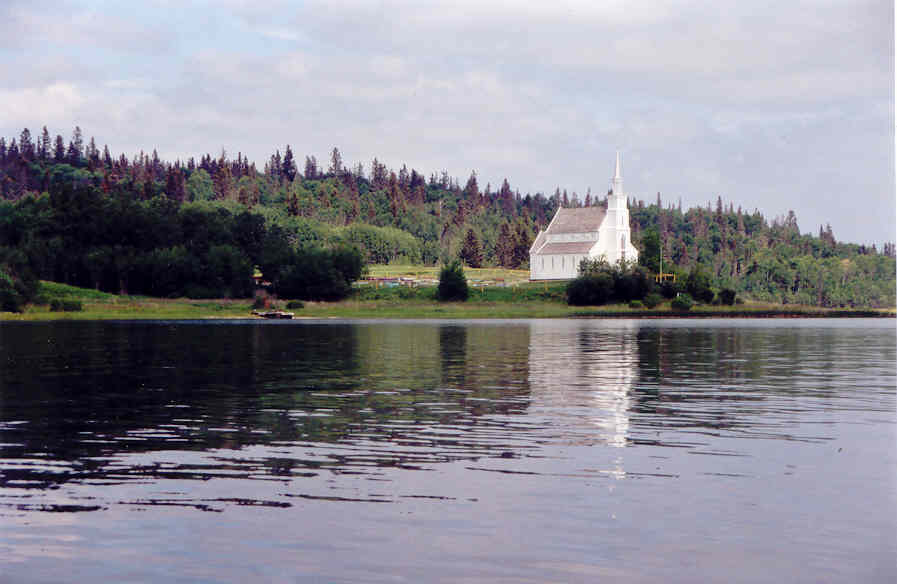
x=584 y=233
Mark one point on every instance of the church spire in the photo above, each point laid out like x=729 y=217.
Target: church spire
x=617 y=181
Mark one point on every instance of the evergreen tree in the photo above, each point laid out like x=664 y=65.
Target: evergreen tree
x=472 y=251
x=26 y=146
x=311 y=168
x=45 y=146
x=59 y=150
x=336 y=162
x=289 y=165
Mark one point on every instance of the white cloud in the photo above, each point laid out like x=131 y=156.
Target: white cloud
x=761 y=102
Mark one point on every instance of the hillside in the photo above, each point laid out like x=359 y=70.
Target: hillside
x=53 y=189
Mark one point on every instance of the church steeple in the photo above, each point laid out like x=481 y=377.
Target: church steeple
x=617 y=181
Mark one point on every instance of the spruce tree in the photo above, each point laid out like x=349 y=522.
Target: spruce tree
x=471 y=250
x=289 y=165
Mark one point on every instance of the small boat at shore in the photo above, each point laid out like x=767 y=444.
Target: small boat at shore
x=276 y=314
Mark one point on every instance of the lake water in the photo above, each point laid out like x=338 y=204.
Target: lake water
x=449 y=451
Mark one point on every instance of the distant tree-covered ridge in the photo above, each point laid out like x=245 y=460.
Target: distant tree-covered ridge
x=389 y=215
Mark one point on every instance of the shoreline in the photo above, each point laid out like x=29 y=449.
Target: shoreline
x=184 y=309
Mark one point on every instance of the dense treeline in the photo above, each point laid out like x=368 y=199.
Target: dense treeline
x=769 y=262
x=405 y=216
x=77 y=235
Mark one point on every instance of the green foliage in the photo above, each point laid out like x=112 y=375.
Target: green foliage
x=65 y=305
x=471 y=252
x=18 y=284
x=649 y=256
x=295 y=304
x=452 y=283
x=653 y=300
x=590 y=290
x=636 y=304
x=600 y=282
x=101 y=225
x=727 y=296
x=698 y=285
x=381 y=245
x=200 y=186
x=318 y=274
x=682 y=302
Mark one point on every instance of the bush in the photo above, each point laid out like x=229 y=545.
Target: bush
x=59 y=305
x=698 y=284
x=682 y=302
x=727 y=296
x=653 y=300
x=317 y=274
x=295 y=304
x=671 y=289
x=452 y=283
x=590 y=290
x=636 y=304
x=72 y=306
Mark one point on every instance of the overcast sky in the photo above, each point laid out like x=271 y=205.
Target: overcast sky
x=771 y=105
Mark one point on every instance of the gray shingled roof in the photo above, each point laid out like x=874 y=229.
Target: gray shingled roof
x=582 y=220
x=571 y=247
x=578 y=220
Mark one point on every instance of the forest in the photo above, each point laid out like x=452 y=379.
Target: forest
x=73 y=212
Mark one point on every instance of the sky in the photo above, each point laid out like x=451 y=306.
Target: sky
x=774 y=106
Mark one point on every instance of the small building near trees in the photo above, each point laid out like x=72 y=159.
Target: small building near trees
x=575 y=234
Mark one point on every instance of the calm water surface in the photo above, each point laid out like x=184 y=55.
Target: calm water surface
x=453 y=451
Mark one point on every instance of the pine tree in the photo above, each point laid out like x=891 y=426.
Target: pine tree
x=311 y=168
x=26 y=146
x=59 y=150
x=44 y=149
x=289 y=165
x=504 y=246
x=472 y=251
x=336 y=162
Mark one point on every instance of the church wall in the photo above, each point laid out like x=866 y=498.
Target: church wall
x=555 y=267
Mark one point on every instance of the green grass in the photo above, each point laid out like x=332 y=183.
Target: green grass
x=526 y=300
x=432 y=273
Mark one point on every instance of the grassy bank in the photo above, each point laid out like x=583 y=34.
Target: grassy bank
x=527 y=300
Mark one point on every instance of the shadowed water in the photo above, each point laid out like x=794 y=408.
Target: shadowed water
x=449 y=451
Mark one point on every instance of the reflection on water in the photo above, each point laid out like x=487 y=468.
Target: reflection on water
x=585 y=373
x=591 y=437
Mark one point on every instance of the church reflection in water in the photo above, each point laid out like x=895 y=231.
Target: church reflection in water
x=583 y=374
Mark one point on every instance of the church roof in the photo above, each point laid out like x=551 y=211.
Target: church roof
x=579 y=220
x=567 y=220
x=567 y=247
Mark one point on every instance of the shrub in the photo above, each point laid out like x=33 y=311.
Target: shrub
x=72 y=306
x=636 y=304
x=698 y=284
x=55 y=305
x=295 y=304
x=727 y=296
x=452 y=283
x=653 y=300
x=671 y=289
x=682 y=302
x=590 y=290
x=316 y=274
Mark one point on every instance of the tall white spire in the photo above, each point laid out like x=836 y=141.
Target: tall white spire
x=617 y=181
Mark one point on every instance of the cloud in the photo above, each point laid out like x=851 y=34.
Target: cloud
x=764 y=103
